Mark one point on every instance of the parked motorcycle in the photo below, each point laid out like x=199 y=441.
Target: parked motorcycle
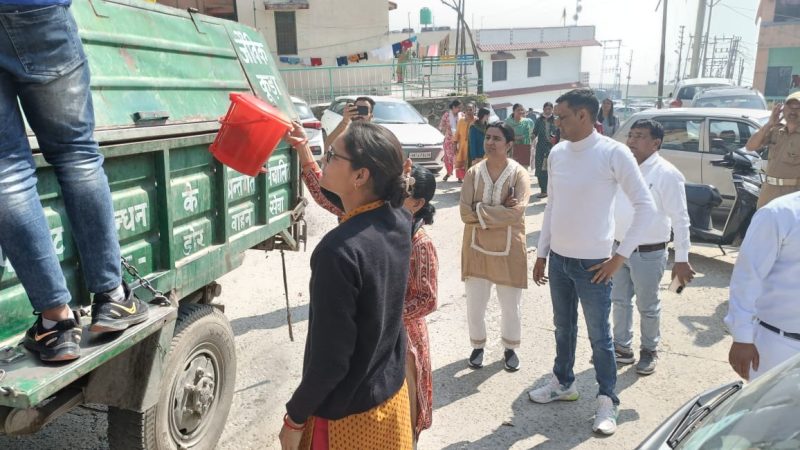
x=702 y=199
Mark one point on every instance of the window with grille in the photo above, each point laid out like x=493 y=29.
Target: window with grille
x=499 y=70
x=534 y=67
x=286 y=32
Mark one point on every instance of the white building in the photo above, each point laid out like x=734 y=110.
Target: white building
x=531 y=66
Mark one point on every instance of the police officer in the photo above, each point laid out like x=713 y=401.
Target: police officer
x=782 y=136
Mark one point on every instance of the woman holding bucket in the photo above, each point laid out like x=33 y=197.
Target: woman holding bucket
x=421 y=292
x=353 y=392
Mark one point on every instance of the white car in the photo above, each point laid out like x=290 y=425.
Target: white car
x=421 y=142
x=686 y=89
x=312 y=125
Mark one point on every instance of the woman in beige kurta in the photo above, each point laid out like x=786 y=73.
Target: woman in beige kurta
x=493 y=201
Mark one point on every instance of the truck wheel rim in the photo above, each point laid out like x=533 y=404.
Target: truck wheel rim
x=194 y=395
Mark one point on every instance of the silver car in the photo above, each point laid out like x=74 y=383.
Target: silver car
x=696 y=137
x=421 y=142
x=761 y=415
x=729 y=97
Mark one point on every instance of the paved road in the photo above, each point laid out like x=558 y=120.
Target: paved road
x=482 y=409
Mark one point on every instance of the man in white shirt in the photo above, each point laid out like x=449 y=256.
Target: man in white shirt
x=578 y=234
x=764 y=310
x=641 y=274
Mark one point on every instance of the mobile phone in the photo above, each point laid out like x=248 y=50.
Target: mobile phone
x=363 y=110
x=511 y=191
x=676 y=286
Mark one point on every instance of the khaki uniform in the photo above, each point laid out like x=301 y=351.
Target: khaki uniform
x=783 y=164
x=494 y=245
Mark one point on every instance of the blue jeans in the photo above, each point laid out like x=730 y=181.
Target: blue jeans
x=570 y=282
x=640 y=276
x=42 y=64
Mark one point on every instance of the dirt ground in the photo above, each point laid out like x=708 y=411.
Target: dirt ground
x=474 y=409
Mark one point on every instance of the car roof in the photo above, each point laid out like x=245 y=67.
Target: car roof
x=377 y=98
x=705 y=112
x=696 y=81
x=724 y=91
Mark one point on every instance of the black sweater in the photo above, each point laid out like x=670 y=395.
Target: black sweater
x=355 y=348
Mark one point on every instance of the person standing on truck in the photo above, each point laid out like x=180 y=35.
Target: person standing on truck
x=781 y=135
x=44 y=68
x=353 y=392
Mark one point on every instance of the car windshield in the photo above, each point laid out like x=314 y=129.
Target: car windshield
x=688 y=92
x=396 y=112
x=303 y=110
x=733 y=101
x=762 y=416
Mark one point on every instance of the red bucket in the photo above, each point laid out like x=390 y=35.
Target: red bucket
x=250 y=132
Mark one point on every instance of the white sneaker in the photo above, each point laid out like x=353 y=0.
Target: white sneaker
x=554 y=391
x=605 y=420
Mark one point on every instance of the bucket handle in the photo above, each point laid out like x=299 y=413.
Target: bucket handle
x=246 y=122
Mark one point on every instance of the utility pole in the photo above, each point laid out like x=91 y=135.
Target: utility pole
x=680 y=55
x=663 y=55
x=628 y=85
x=711 y=5
x=741 y=71
x=698 y=32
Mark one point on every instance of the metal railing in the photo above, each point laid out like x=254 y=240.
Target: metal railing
x=425 y=77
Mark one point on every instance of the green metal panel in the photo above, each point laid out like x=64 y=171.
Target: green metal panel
x=183 y=219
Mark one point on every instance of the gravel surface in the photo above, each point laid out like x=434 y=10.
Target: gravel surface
x=474 y=409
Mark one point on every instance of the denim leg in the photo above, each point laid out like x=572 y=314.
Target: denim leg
x=24 y=233
x=646 y=272
x=565 y=318
x=596 y=303
x=61 y=115
x=622 y=300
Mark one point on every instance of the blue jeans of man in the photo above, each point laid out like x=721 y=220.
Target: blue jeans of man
x=571 y=283
x=640 y=276
x=43 y=70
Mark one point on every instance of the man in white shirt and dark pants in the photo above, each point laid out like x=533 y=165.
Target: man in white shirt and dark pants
x=641 y=274
x=764 y=310
x=578 y=235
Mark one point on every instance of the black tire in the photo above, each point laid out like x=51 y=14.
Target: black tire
x=203 y=339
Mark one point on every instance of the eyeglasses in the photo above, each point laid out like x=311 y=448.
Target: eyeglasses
x=330 y=154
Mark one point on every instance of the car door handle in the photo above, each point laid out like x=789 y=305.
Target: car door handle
x=719 y=163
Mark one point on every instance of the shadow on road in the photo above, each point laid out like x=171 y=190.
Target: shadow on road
x=561 y=425
x=464 y=385
x=707 y=330
x=269 y=321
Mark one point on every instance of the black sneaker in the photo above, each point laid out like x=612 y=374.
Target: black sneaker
x=476 y=358
x=60 y=343
x=624 y=356
x=647 y=362
x=109 y=316
x=511 y=360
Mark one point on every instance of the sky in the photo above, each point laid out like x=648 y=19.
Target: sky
x=635 y=22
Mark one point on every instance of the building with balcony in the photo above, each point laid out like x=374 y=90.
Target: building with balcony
x=777 y=71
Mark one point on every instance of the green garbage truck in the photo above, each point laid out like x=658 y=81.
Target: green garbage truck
x=161 y=79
